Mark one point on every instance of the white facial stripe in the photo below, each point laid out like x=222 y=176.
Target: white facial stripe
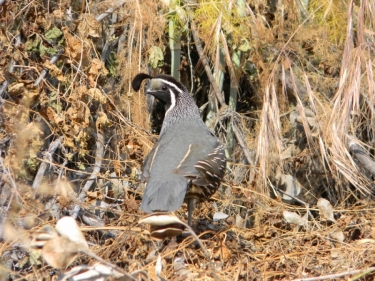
x=172 y=85
x=173 y=101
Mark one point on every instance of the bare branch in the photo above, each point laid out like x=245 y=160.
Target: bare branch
x=47 y=157
x=98 y=163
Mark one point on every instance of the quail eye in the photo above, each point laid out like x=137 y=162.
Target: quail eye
x=164 y=88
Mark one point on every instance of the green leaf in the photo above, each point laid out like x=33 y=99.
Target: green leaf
x=32 y=44
x=156 y=57
x=112 y=64
x=42 y=50
x=53 y=33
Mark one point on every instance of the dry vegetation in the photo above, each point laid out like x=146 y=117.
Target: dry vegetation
x=289 y=89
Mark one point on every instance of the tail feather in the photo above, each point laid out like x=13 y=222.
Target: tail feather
x=164 y=195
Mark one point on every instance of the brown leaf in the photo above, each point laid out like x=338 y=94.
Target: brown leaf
x=102 y=121
x=75 y=48
x=54 y=71
x=131 y=205
x=79 y=113
x=16 y=89
x=59 y=252
x=88 y=26
x=94 y=195
x=97 y=67
x=97 y=95
x=58 y=14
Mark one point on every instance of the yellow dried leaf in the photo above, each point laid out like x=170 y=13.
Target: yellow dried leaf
x=88 y=26
x=50 y=114
x=68 y=142
x=16 y=89
x=102 y=120
x=77 y=93
x=58 y=14
x=94 y=195
x=80 y=113
x=59 y=121
x=54 y=71
x=59 y=252
x=97 y=95
x=97 y=67
x=75 y=48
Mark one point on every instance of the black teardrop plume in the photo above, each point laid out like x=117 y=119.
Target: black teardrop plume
x=137 y=81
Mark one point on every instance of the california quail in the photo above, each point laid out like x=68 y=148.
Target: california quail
x=188 y=161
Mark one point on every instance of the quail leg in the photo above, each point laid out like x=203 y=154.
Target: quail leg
x=190 y=210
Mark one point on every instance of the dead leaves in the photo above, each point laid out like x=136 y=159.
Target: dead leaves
x=88 y=26
x=55 y=71
x=96 y=95
x=61 y=246
x=78 y=113
x=97 y=68
x=75 y=48
x=325 y=209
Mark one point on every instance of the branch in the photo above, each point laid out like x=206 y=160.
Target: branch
x=11 y=67
x=242 y=144
x=207 y=68
x=337 y=275
x=45 y=70
x=47 y=157
x=110 y=11
x=98 y=163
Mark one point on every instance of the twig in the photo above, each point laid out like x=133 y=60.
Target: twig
x=242 y=144
x=110 y=11
x=219 y=97
x=98 y=163
x=47 y=157
x=4 y=210
x=45 y=70
x=115 y=267
x=62 y=168
x=3 y=87
x=207 y=68
x=337 y=275
x=11 y=67
x=202 y=247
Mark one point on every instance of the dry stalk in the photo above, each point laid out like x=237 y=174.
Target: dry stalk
x=97 y=165
x=47 y=161
x=338 y=275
